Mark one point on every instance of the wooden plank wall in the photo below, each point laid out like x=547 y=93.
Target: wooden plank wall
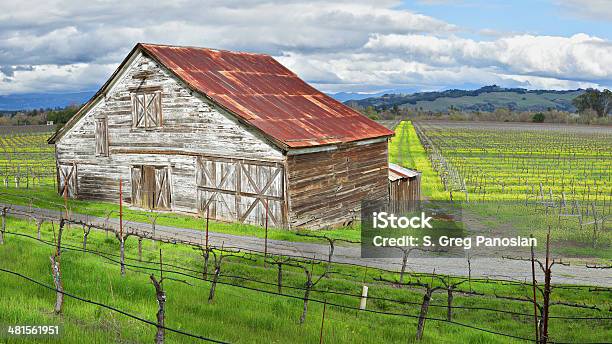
x=326 y=188
x=191 y=126
x=402 y=192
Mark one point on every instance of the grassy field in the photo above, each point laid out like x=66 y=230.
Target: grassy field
x=238 y=309
x=246 y=301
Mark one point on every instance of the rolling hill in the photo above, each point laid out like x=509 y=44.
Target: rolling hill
x=486 y=98
x=29 y=101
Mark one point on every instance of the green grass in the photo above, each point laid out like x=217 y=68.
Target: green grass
x=240 y=315
x=406 y=150
x=46 y=197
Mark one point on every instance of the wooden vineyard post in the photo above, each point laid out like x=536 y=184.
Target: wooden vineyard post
x=322 y=321
x=3 y=228
x=266 y=239
x=121 y=237
x=120 y=206
x=546 y=293
x=205 y=250
x=279 y=278
x=39 y=223
x=533 y=284
x=207 y=218
x=140 y=249
x=65 y=194
x=160 y=295
x=56 y=271
x=86 y=231
x=423 y=312
x=309 y=285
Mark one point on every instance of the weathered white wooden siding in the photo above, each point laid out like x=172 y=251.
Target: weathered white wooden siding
x=191 y=126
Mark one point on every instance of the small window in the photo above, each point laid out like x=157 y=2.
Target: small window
x=146 y=110
x=101 y=137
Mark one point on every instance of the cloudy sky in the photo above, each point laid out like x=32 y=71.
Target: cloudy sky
x=354 y=45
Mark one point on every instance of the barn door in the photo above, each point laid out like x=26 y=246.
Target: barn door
x=161 y=196
x=236 y=190
x=216 y=181
x=151 y=187
x=67 y=179
x=137 y=188
x=261 y=187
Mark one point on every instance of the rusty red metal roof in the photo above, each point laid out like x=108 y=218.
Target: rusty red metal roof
x=263 y=93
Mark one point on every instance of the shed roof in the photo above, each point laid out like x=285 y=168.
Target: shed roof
x=398 y=172
x=267 y=95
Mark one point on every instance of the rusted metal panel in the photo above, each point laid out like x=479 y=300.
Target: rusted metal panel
x=266 y=95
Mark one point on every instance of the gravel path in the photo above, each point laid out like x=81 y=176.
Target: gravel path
x=494 y=268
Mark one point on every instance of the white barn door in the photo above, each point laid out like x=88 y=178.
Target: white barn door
x=241 y=191
x=67 y=180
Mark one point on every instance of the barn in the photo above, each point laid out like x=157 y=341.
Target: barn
x=233 y=135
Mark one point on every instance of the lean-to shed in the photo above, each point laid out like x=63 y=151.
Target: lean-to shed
x=226 y=133
x=404 y=187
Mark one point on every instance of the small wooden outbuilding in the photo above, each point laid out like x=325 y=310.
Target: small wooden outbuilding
x=233 y=135
x=404 y=187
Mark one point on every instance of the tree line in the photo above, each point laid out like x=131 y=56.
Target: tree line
x=592 y=107
x=593 y=100
x=58 y=116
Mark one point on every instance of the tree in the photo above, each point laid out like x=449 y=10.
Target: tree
x=61 y=116
x=370 y=112
x=538 y=117
x=596 y=100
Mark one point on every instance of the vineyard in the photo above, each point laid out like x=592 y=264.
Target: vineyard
x=505 y=162
x=26 y=159
x=550 y=175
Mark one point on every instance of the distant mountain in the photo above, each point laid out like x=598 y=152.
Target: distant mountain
x=345 y=96
x=29 y=101
x=486 y=98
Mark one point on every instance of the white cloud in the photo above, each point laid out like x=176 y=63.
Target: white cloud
x=580 y=57
x=591 y=9
x=340 y=45
x=78 y=76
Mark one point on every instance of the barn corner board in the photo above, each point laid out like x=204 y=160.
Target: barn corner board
x=233 y=135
